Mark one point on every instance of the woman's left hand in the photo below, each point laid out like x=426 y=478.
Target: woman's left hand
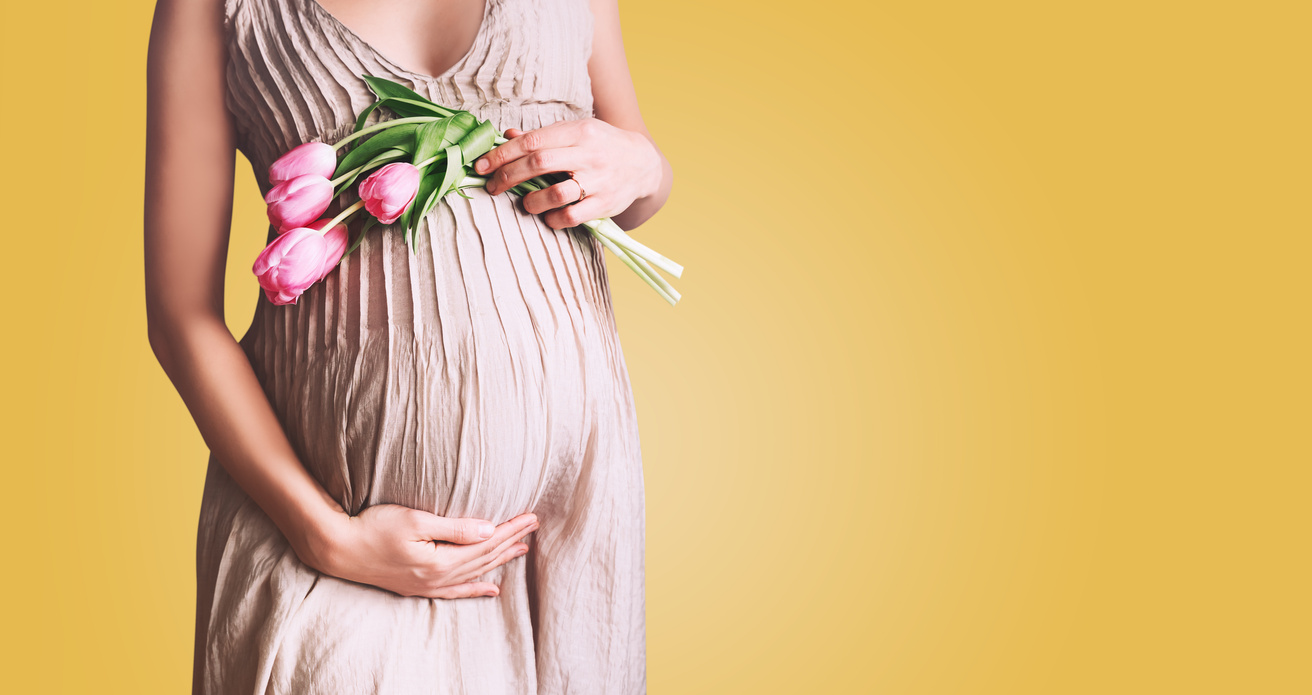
x=613 y=165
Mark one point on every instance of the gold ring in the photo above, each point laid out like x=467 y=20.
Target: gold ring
x=582 y=193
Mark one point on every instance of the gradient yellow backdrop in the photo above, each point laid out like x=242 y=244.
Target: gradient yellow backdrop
x=990 y=374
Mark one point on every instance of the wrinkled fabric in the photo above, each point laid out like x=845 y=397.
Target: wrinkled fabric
x=480 y=376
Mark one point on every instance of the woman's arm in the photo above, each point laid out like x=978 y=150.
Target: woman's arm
x=190 y=154
x=190 y=151
x=615 y=101
x=612 y=155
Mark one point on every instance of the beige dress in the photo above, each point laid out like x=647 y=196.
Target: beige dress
x=481 y=376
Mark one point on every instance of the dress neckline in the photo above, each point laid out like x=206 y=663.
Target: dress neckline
x=349 y=33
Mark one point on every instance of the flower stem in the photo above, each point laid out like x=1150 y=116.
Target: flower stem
x=628 y=260
x=341 y=216
x=607 y=227
x=374 y=162
x=625 y=248
x=646 y=267
x=382 y=125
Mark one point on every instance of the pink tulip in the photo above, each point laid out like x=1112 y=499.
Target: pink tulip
x=335 y=247
x=298 y=202
x=390 y=190
x=310 y=158
x=290 y=264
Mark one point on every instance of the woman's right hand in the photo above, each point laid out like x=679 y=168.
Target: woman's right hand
x=393 y=547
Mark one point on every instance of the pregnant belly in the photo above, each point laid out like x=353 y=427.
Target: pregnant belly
x=469 y=430
x=459 y=378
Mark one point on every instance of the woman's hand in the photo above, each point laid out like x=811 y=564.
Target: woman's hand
x=392 y=546
x=613 y=165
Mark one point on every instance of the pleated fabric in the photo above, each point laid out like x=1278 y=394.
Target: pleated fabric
x=481 y=376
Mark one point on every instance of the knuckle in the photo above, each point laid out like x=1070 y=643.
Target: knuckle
x=422 y=576
x=532 y=140
x=414 y=517
x=558 y=194
x=541 y=160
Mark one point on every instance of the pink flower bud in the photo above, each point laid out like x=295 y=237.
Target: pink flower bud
x=298 y=202
x=310 y=158
x=390 y=190
x=336 y=241
x=290 y=264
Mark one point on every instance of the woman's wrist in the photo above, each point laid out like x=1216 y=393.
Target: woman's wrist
x=655 y=170
x=319 y=545
x=312 y=522
x=655 y=187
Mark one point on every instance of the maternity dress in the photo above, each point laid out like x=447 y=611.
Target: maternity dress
x=480 y=376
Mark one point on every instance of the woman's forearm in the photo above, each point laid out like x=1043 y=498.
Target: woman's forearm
x=211 y=373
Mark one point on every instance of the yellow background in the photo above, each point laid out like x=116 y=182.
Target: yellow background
x=990 y=374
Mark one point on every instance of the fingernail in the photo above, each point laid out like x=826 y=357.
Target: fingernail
x=521 y=551
x=480 y=166
x=486 y=530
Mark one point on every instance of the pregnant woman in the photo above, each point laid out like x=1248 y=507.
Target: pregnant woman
x=425 y=474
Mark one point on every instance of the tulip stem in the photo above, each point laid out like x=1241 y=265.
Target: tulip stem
x=613 y=237
x=341 y=216
x=367 y=165
x=381 y=126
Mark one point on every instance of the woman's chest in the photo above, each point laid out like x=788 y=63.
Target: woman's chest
x=294 y=70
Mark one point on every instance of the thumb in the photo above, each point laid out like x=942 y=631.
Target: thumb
x=463 y=531
x=513 y=132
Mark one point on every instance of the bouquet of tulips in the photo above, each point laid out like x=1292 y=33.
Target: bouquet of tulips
x=408 y=164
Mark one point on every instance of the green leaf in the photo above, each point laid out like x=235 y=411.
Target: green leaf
x=461 y=123
x=409 y=102
x=407 y=217
x=424 y=199
x=455 y=172
x=403 y=107
x=364 y=115
x=413 y=107
x=371 y=221
x=429 y=139
x=400 y=137
x=478 y=141
x=410 y=218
